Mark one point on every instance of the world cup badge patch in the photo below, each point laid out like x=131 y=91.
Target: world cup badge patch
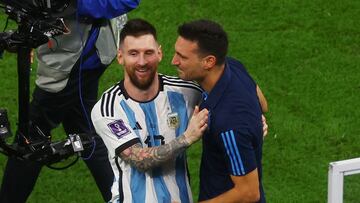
x=173 y=120
x=118 y=128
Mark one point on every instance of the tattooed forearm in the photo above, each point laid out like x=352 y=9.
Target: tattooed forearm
x=144 y=159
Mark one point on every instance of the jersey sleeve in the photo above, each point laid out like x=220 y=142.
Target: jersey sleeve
x=193 y=98
x=115 y=132
x=240 y=156
x=106 y=8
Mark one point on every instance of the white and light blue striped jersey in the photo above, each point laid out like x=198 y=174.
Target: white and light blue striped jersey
x=122 y=122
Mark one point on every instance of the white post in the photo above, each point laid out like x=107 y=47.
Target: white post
x=337 y=171
x=335 y=184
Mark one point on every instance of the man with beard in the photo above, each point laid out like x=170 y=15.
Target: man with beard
x=144 y=122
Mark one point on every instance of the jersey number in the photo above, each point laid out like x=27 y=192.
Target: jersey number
x=158 y=139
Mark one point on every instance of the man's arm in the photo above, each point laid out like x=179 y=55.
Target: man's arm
x=264 y=109
x=246 y=189
x=262 y=100
x=144 y=159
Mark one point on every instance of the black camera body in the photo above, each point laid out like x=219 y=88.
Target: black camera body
x=38 y=9
x=36 y=22
x=42 y=150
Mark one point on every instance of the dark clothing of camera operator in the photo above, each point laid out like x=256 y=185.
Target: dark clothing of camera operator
x=69 y=68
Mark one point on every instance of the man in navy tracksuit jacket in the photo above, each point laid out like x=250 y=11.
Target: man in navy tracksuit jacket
x=230 y=168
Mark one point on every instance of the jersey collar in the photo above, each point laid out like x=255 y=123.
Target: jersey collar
x=212 y=99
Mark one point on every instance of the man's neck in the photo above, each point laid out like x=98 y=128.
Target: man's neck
x=212 y=78
x=140 y=94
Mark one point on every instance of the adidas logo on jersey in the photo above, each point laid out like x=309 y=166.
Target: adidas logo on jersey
x=137 y=126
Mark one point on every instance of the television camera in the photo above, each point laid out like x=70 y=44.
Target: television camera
x=38 y=21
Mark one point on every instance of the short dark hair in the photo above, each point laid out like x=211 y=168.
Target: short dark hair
x=137 y=27
x=209 y=35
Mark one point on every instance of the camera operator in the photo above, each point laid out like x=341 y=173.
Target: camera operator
x=69 y=68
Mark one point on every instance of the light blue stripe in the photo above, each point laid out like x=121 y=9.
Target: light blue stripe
x=137 y=181
x=130 y=116
x=151 y=119
x=178 y=104
x=228 y=151
x=237 y=152
x=137 y=186
x=232 y=153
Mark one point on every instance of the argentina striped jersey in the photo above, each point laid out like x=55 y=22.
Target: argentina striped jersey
x=122 y=122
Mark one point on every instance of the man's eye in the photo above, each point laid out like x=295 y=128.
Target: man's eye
x=149 y=53
x=181 y=56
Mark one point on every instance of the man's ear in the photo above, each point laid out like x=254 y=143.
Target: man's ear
x=209 y=61
x=160 y=53
x=120 y=57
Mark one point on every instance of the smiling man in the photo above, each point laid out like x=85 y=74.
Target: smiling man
x=145 y=122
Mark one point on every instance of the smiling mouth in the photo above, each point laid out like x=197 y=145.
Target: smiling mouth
x=143 y=72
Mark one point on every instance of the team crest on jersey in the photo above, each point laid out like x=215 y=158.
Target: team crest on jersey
x=173 y=120
x=118 y=128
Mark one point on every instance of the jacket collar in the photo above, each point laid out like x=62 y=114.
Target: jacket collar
x=211 y=99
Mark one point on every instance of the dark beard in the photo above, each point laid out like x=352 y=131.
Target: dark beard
x=142 y=85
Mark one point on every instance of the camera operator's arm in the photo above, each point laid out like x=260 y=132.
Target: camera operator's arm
x=106 y=8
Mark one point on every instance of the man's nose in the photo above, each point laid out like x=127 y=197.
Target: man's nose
x=142 y=61
x=174 y=61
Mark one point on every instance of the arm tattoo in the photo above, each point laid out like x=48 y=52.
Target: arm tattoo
x=147 y=158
